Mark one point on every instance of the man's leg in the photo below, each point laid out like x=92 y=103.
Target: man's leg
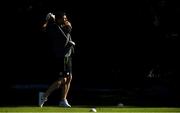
x=68 y=75
x=65 y=90
x=68 y=78
x=66 y=86
x=52 y=87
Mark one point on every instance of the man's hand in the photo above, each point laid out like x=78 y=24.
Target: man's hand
x=50 y=15
x=68 y=24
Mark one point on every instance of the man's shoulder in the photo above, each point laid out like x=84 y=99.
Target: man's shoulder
x=52 y=26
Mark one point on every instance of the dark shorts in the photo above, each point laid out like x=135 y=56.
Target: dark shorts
x=63 y=66
x=68 y=65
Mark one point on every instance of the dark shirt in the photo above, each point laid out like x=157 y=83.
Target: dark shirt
x=59 y=40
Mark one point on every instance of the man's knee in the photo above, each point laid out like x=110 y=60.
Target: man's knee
x=70 y=77
x=67 y=79
x=62 y=80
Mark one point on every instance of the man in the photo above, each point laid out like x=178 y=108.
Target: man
x=61 y=49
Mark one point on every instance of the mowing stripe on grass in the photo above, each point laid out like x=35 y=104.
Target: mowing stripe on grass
x=88 y=112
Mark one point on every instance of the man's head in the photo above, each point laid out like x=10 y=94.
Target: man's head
x=61 y=18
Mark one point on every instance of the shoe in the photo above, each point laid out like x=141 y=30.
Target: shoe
x=42 y=101
x=64 y=103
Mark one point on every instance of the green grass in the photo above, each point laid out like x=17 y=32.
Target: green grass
x=86 y=109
